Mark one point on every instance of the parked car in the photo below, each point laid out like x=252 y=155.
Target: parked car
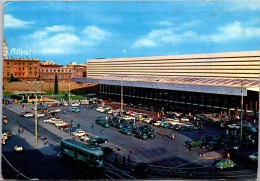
x=185 y=128
x=135 y=130
x=141 y=136
x=75 y=104
x=144 y=127
x=157 y=123
x=126 y=131
x=65 y=126
x=97 y=140
x=105 y=124
x=195 y=142
x=148 y=133
x=165 y=125
x=254 y=156
x=225 y=163
x=215 y=144
x=79 y=133
x=40 y=115
x=206 y=139
x=57 y=110
x=140 y=167
x=119 y=125
x=74 y=109
x=184 y=118
x=72 y=129
x=233 y=126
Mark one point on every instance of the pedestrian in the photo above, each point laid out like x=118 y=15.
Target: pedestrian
x=123 y=160
x=190 y=147
x=92 y=126
x=227 y=132
x=22 y=130
x=78 y=125
x=130 y=151
x=162 y=132
x=71 y=122
x=19 y=131
x=44 y=140
x=102 y=131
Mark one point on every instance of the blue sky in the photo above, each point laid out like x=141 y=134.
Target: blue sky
x=74 y=31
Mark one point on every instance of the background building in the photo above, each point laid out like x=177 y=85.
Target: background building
x=187 y=83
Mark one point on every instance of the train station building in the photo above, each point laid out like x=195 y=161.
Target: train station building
x=209 y=83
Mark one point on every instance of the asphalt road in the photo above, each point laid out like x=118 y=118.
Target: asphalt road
x=161 y=153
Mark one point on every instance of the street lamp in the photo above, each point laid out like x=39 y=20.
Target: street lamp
x=36 y=117
x=241 y=82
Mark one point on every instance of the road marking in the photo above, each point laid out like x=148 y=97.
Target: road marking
x=188 y=163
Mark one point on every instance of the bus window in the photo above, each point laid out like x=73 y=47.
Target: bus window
x=83 y=154
x=91 y=157
x=68 y=148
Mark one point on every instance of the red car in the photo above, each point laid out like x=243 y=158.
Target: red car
x=65 y=126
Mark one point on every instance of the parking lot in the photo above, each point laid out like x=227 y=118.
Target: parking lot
x=161 y=152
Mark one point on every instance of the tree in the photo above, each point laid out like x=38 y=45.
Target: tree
x=56 y=87
x=12 y=79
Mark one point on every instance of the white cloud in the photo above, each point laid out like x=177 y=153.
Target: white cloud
x=11 y=22
x=244 y=5
x=62 y=39
x=145 y=43
x=95 y=33
x=231 y=32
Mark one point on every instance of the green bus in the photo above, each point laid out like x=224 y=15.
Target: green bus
x=92 y=156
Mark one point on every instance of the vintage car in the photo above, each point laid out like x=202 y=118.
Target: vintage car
x=225 y=163
x=144 y=127
x=148 y=133
x=80 y=133
x=74 y=109
x=40 y=115
x=233 y=126
x=27 y=115
x=18 y=148
x=97 y=140
x=126 y=131
x=141 y=136
x=195 y=142
x=254 y=156
x=75 y=104
x=105 y=124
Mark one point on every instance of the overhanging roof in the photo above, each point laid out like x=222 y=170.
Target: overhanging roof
x=193 y=84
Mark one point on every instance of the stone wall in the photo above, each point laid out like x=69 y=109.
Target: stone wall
x=49 y=86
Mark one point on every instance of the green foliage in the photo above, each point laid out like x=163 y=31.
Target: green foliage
x=56 y=86
x=12 y=79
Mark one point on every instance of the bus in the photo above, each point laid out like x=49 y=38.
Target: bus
x=92 y=156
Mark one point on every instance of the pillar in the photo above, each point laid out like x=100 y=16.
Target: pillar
x=246 y=111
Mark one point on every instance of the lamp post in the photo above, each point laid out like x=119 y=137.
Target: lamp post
x=122 y=95
x=36 y=117
x=241 y=82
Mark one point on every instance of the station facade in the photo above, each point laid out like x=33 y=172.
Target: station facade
x=209 y=83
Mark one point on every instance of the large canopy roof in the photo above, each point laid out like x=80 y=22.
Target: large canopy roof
x=228 y=86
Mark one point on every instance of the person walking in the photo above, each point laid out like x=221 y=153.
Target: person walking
x=92 y=126
x=78 y=125
x=102 y=131
x=19 y=131
x=22 y=130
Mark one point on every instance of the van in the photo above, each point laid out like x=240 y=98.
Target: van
x=74 y=109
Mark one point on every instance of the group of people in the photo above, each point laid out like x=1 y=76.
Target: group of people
x=123 y=158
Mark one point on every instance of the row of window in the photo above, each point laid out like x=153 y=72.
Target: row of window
x=52 y=77
x=47 y=70
x=8 y=63
x=21 y=68
x=22 y=74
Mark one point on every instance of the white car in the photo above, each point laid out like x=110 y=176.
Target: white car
x=99 y=109
x=49 y=120
x=57 y=110
x=18 y=148
x=254 y=156
x=75 y=104
x=147 y=120
x=27 y=115
x=65 y=104
x=86 y=138
x=110 y=111
x=128 y=118
x=40 y=115
x=233 y=126
x=184 y=119
x=61 y=124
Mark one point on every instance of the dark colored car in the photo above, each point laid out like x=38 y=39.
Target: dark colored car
x=195 y=142
x=136 y=130
x=125 y=131
x=119 y=125
x=105 y=124
x=141 y=136
x=214 y=145
x=97 y=140
x=127 y=125
x=148 y=133
x=185 y=128
x=72 y=129
x=140 y=167
x=148 y=127
x=206 y=139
